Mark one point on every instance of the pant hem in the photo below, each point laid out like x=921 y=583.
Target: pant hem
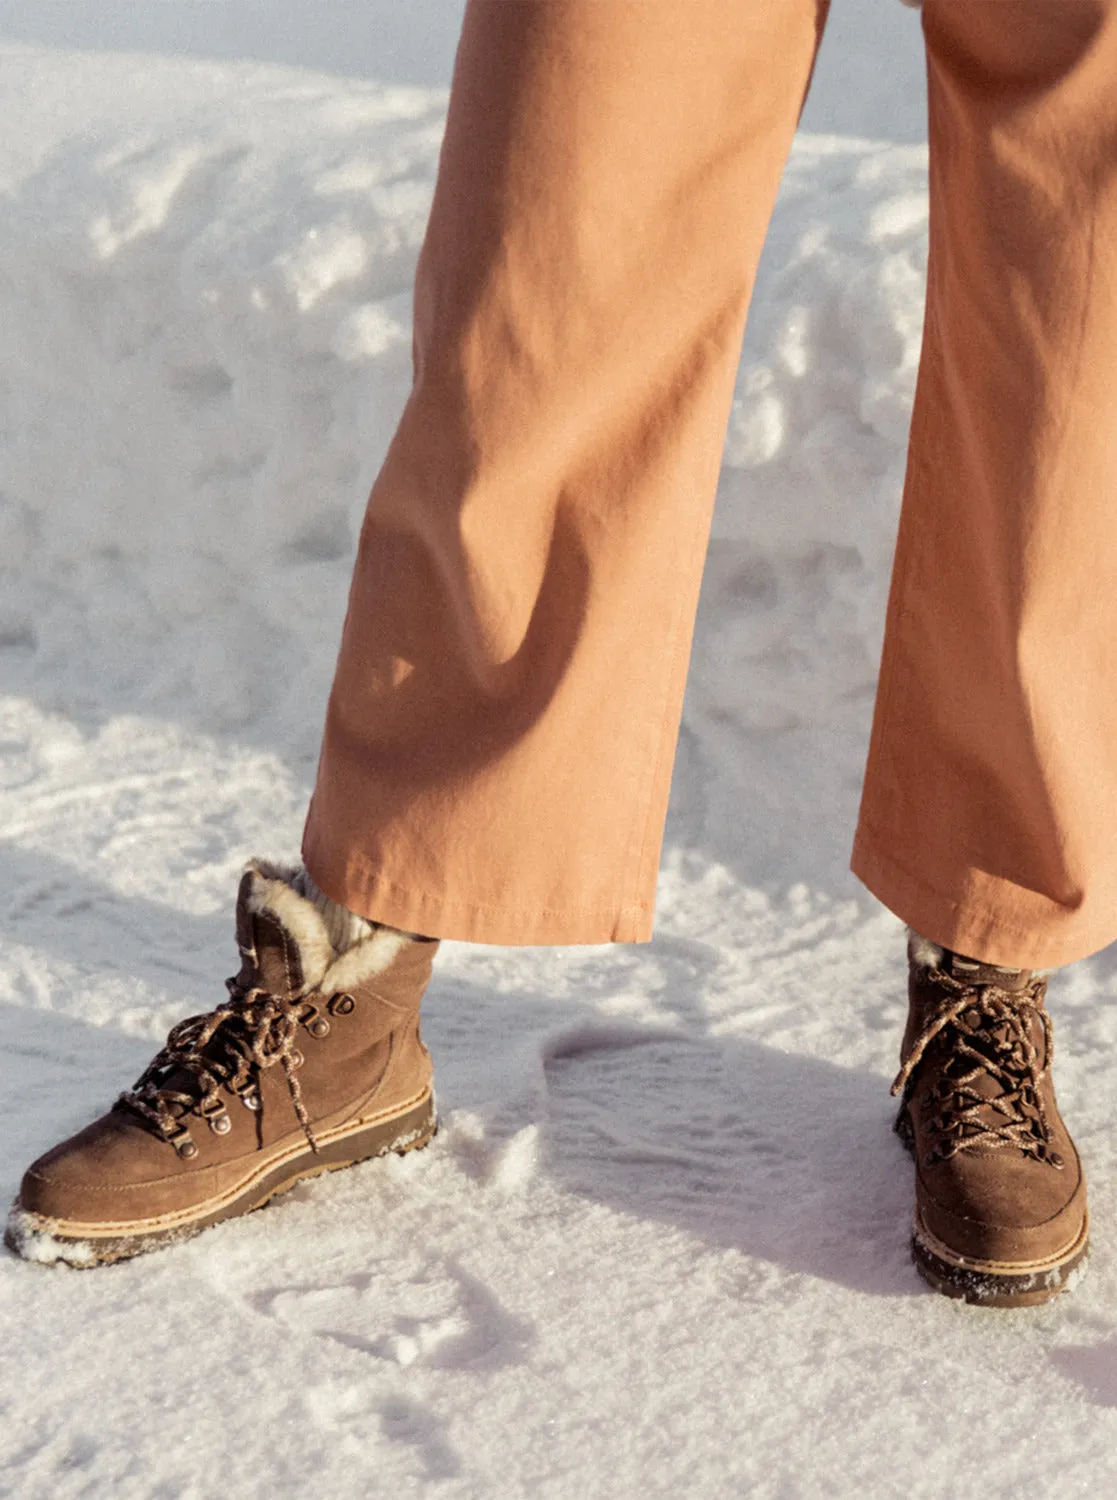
x=976 y=930
x=380 y=900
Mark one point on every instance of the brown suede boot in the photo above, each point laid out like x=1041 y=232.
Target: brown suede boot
x=314 y=1062
x=1000 y=1199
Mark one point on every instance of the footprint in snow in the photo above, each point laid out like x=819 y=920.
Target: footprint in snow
x=349 y=1412
x=424 y=1311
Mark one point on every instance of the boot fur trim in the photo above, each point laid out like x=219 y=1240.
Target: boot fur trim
x=364 y=960
x=923 y=953
x=272 y=891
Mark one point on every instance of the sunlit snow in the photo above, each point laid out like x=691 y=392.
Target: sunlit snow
x=660 y=1246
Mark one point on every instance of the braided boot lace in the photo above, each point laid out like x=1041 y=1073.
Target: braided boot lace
x=985 y=1032
x=225 y=1048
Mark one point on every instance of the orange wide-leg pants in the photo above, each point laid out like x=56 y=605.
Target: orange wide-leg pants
x=501 y=730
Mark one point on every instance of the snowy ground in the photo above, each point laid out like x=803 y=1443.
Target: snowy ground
x=660 y=1247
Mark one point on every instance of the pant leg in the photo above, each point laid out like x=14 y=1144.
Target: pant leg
x=501 y=730
x=989 y=816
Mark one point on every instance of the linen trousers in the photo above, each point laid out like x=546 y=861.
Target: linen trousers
x=500 y=734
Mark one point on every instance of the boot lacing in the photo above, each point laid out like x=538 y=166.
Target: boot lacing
x=225 y=1048
x=998 y=1020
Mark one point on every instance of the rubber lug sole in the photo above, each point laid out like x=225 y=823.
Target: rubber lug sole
x=46 y=1241
x=997 y=1284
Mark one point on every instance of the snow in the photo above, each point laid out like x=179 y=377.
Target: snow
x=660 y=1245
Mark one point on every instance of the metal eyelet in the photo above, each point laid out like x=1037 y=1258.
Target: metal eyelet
x=319 y=1027
x=296 y=1058
x=220 y=1124
x=342 y=1005
x=186 y=1147
x=250 y=1099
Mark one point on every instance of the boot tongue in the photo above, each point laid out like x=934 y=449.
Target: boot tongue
x=284 y=950
x=282 y=939
x=279 y=966
x=996 y=1041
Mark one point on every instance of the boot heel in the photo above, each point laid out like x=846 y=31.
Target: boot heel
x=418 y=1137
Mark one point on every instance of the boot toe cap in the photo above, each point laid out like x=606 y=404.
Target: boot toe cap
x=111 y=1170
x=1006 y=1209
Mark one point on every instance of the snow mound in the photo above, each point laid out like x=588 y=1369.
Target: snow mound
x=205 y=331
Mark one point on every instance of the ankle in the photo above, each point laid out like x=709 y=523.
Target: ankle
x=344 y=928
x=925 y=954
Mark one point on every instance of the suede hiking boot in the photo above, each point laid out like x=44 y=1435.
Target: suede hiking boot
x=1000 y=1198
x=314 y=1062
